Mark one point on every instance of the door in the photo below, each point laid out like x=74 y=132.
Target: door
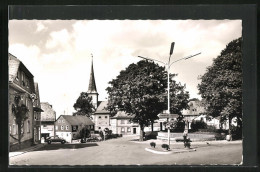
x=134 y=130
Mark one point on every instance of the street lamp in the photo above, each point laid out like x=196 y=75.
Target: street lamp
x=168 y=65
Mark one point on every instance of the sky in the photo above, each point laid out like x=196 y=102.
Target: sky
x=58 y=52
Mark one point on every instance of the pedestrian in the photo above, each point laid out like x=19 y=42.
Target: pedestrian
x=185 y=134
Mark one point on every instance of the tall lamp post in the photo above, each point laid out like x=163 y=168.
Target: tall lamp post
x=168 y=66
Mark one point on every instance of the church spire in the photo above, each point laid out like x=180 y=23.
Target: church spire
x=92 y=84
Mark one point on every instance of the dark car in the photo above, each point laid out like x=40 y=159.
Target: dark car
x=94 y=138
x=51 y=139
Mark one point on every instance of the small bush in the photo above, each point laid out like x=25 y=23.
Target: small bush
x=236 y=132
x=152 y=144
x=196 y=125
x=187 y=144
x=165 y=146
x=220 y=136
x=151 y=135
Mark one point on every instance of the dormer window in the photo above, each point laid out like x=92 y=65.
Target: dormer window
x=23 y=79
x=27 y=83
x=17 y=76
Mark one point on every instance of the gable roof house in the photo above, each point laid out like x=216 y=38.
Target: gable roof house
x=69 y=127
x=48 y=118
x=21 y=83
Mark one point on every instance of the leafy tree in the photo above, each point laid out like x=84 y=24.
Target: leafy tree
x=84 y=132
x=20 y=112
x=221 y=85
x=140 y=91
x=179 y=98
x=84 y=105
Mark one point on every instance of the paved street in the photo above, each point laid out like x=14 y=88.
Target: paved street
x=125 y=151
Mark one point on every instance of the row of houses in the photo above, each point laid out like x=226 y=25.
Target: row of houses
x=23 y=88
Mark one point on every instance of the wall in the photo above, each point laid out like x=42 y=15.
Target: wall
x=46 y=127
x=102 y=121
x=123 y=126
x=28 y=126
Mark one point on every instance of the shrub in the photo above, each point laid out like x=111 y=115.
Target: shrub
x=153 y=144
x=209 y=128
x=236 y=132
x=151 y=135
x=196 y=125
x=165 y=146
x=187 y=144
x=220 y=136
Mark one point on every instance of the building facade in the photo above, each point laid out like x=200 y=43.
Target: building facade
x=69 y=127
x=37 y=116
x=21 y=83
x=101 y=117
x=48 y=118
x=121 y=124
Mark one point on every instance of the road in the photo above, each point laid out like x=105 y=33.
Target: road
x=124 y=151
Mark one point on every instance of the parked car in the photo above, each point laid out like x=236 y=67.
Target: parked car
x=94 y=138
x=51 y=139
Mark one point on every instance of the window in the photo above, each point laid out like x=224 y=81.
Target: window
x=62 y=127
x=62 y=121
x=122 y=121
x=28 y=126
x=26 y=102
x=35 y=116
x=21 y=128
x=57 y=127
x=123 y=129
x=17 y=76
x=128 y=129
x=27 y=83
x=67 y=127
x=74 y=128
x=99 y=117
x=105 y=116
x=58 y=121
x=23 y=83
x=14 y=129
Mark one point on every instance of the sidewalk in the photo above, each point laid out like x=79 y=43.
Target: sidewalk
x=22 y=151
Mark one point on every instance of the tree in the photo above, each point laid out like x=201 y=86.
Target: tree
x=179 y=98
x=84 y=132
x=84 y=105
x=20 y=112
x=140 y=91
x=221 y=85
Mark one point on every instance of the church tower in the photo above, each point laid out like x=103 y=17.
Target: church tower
x=92 y=90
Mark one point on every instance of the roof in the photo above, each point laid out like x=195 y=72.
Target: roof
x=92 y=84
x=37 y=102
x=49 y=114
x=195 y=108
x=76 y=120
x=122 y=115
x=101 y=107
x=13 y=66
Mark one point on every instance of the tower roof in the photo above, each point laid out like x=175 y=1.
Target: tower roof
x=92 y=84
